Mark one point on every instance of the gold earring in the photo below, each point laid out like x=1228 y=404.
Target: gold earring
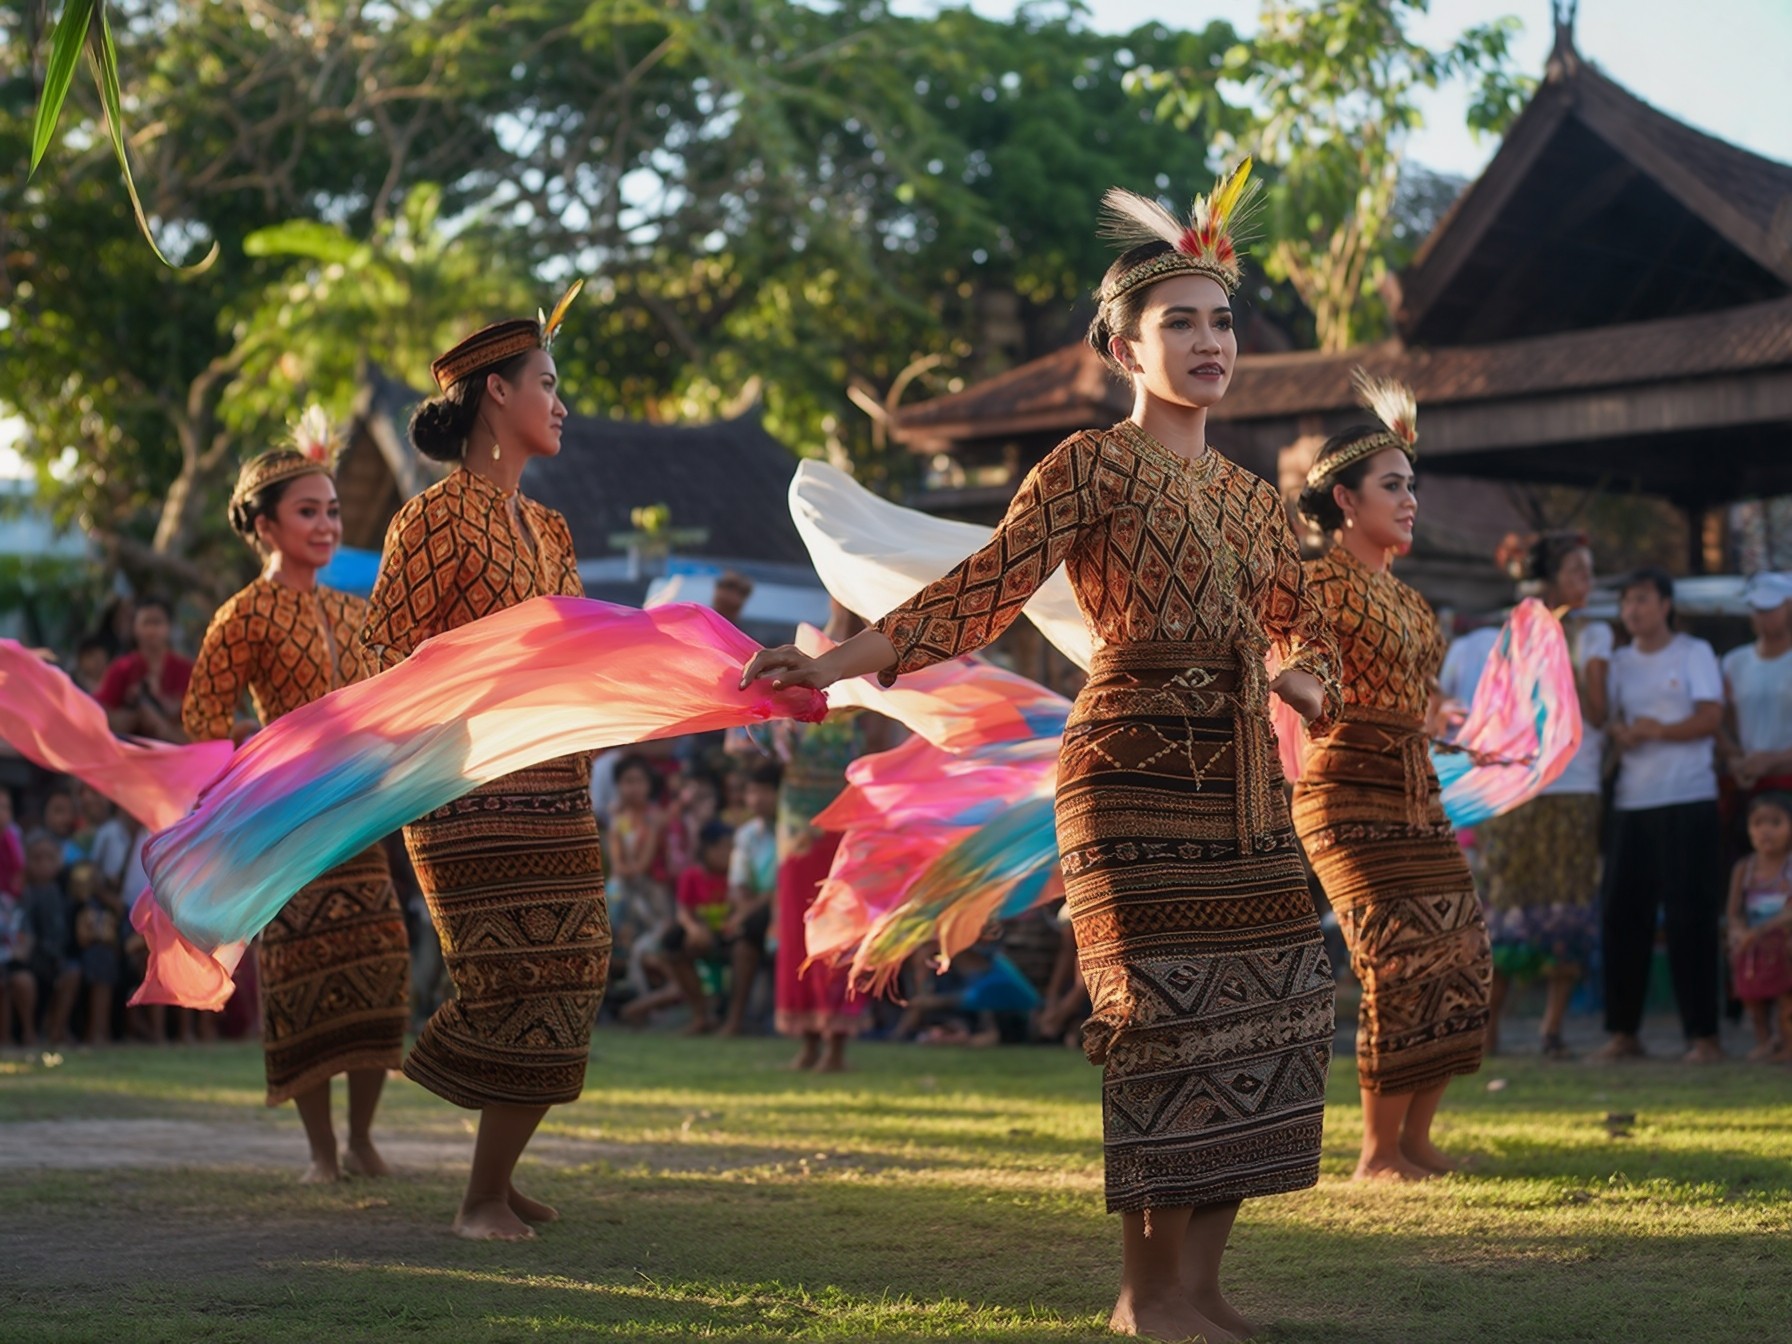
x=497 y=450
x=1350 y=520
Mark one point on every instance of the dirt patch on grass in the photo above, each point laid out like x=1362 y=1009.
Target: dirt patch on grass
x=159 y=1144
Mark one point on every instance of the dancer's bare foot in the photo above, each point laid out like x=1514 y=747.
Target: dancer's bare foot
x=1763 y=1051
x=322 y=1171
x=1171 y=1318
x=531 y=1210
x=729 y=1028
x=1705 y=1050
x=1622 y=1046
x=1396 y=1168
x=491 y=1220
x=806 y=1058
x=833 y=1060
x=361 y=1158
x=1223 y=1314
x=1426 y=1154
x=698 y=1026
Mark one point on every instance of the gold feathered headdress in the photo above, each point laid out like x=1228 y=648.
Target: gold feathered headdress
x=503 y=340
x=1391 y=402
x=1205 y=244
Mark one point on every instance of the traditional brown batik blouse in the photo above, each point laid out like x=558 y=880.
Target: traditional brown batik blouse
x=1157 y=548
x=454 y=554
x=285 y=647
x=1389 y=644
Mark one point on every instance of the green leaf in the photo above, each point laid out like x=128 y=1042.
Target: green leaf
x=308 y=238
x=65 y=50
x=103 y=56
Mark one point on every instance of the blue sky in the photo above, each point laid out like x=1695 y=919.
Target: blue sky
x=1724 y=66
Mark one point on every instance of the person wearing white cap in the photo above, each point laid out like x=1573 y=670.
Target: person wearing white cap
x=1757 y=740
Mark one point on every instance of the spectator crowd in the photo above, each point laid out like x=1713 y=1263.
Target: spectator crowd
x=1669 y=841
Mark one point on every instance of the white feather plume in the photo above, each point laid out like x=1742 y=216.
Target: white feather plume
x=1130 y=218
x=1392 y=402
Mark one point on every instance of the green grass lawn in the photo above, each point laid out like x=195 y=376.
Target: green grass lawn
x=927 y=1195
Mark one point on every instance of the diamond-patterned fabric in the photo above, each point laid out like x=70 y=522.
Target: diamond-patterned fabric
x=512 y=871
x=1157 y=549
x=1389 y=645
x=1367 y=809
x=453 y=555
x=1212 y=997
x=335 y=963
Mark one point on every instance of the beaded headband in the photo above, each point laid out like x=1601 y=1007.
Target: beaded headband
x=502 y=340
x=1392 y=403
x=312 y=454
x=1204 y=244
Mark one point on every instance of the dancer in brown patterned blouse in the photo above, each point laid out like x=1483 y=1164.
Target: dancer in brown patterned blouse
x=335 y=963
x=512 y=871
x=1367 y=805
x=1197 y=938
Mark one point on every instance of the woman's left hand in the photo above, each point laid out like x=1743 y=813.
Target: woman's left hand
x=788 y=665
x=1301 y=691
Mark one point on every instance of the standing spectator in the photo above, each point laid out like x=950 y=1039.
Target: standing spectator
x=1757 y=742
x=1540 y=862
x=1666 y=699
x=142 y=691
x=46 y=937
x=752 y=889
x=1760 y=925
x=12 y=850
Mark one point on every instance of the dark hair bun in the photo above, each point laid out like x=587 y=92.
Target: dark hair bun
x=439 y=428
x=242 y=519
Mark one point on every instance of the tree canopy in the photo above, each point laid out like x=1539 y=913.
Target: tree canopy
x=796 y=204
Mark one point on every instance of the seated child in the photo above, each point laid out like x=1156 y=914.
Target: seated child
x=694 y=935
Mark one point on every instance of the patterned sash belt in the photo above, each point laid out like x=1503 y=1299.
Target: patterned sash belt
x=1189 y=681
x=1402 y=743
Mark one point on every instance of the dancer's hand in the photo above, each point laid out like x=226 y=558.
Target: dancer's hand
x=868 y=651
x=1301 y=692
x=788 y=665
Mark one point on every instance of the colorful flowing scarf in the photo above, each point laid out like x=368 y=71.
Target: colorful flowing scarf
x=547 y=678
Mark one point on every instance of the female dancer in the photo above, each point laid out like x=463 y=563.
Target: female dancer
x=1541 y=860
x=1212 y=996
x=1367 y=806
x=335 y=963
x=512 y=871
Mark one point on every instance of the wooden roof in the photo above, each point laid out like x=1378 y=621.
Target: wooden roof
x=1598 y=208
x=729 y=477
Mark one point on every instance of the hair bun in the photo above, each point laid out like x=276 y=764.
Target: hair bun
x=439 y=429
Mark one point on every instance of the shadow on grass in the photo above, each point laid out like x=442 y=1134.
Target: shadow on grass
x=831 y=1258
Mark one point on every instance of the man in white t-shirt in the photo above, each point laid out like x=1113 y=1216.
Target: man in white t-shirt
x=1758 y=690
x=1666 y=707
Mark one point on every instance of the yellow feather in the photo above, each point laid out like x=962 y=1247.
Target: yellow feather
x=554 y=319
x=1228 y=193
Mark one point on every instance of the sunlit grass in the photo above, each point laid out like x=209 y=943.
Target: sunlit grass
x=927 y=1195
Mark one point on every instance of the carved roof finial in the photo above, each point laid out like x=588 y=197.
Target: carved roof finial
x=1564 y=60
